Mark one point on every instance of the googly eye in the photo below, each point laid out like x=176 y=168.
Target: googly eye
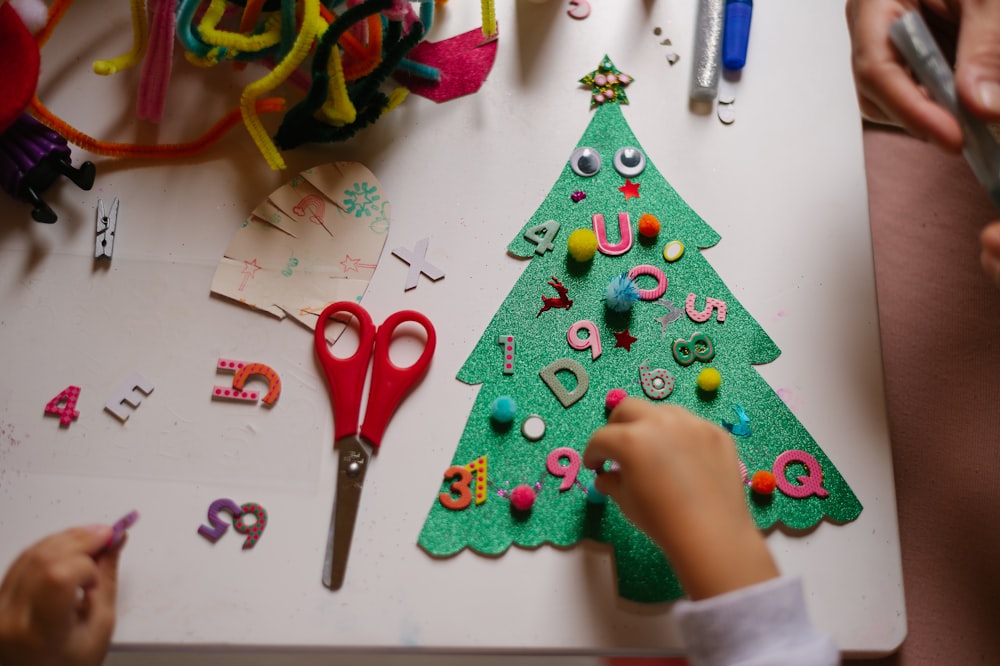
x=629 y=161
x=585 y=161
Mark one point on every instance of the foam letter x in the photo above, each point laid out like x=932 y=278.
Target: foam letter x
x=418 y=264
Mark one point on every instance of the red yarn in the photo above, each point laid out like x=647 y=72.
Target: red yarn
x=19 y=57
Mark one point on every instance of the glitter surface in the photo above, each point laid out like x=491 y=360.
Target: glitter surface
x=564 y=518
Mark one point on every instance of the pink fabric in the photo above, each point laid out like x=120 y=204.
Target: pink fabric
x=940 y=324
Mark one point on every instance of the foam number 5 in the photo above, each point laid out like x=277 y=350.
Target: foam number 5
x=656 y=383
x=810 y=484
x=568 y=472
x=64 y=405
x=704 y=315
x=216 y=526
x=698 y=348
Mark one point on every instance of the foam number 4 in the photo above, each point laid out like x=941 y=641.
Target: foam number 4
x=216 y=526
x=542 y=235
x=568 y=472
x=656 y=383
x=809 y=484
x=704 y=315
x=64 y=405
x=462 y=486
x=698 y=348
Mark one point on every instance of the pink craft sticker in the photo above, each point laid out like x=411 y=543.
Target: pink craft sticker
x=701 y=316
x=623 y=245
x=568 y=472
x=809 y=484
x=463 y=60
x=593 y=339
x=653 y=271
x=64 y=405
x=506 y=343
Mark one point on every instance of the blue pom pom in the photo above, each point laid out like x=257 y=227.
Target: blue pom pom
x=621 y=294
x=594 y=497
x=503 y=409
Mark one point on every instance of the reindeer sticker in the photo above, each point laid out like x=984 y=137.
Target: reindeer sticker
x=563 y=301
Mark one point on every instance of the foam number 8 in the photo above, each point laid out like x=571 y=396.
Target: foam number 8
x=698 y=348
x=460 y=486
x=568 y=472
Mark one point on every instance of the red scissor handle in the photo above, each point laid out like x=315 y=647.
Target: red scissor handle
x=391 y=383
x=346 y=376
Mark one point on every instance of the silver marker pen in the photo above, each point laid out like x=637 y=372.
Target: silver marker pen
x=916 y=44
x=707 y=50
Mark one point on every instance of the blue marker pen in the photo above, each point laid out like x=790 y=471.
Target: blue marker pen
x=737 y=33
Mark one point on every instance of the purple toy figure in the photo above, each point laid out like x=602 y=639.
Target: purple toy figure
x=31 y=157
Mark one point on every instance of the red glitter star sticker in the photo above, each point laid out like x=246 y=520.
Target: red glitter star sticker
x=624 y=339
x=630 y=189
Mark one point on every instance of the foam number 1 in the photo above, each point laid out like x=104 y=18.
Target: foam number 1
x=507 y=343
x=64 y=405
x=216 y=526
x=568 y=472
x=462 y=486
x=541 y=235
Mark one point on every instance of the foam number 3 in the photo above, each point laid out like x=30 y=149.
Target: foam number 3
x=541 y=235
x=254 y=530
x=64 y=405
x=216 y=526
x=698 y=348
x=810 y=484
x=568 y=472
x=656 y=383
x=459 y=487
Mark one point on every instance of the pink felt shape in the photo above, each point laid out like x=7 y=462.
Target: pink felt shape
x=464 y=61
x=157 y=65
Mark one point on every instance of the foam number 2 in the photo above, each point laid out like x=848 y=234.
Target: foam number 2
x=462 y=485
x=64 y=405
x=656 y=383
x=568 y=472
x=541 y=235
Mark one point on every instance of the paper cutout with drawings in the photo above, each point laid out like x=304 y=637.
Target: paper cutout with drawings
x=312 y=242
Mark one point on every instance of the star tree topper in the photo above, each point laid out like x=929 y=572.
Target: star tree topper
x=607 y=84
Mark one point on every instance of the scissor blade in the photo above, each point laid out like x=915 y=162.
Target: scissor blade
x=351 y=469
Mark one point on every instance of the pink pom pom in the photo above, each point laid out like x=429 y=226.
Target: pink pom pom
x=522 y=497
x=614 y=396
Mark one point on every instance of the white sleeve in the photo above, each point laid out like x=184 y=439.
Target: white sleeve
x=762 y=625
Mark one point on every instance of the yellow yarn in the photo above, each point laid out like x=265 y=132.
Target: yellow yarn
x=140 y=37
x=582 y=245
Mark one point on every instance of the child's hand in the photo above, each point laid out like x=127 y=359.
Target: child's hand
x=57 y=601
x=887 y=92
x=678 y=480
x=990 y=257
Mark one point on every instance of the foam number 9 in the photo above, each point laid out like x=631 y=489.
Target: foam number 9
x=254 y=530
x=698 y=348
x=568 y=472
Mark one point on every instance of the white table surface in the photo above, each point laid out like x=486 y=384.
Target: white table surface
x=784 y=186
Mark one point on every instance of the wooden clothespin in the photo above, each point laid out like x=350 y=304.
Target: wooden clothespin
x=107 y=224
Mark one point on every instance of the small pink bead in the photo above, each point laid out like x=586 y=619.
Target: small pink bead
x=614 y=396
x=522 y=497
x=612 y=79
x=625 y=79
x=600 y=80
x=599 y=99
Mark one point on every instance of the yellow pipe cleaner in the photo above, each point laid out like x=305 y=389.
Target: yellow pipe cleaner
x=233 y=41
x=274 y=78
x=338 y=107
x=489 y=19
x=140 y=37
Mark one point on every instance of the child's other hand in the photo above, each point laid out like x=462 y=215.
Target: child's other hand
x=678 y=480
x=57 y=601
x=990 y=257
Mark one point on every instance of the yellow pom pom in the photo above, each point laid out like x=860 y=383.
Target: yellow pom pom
x=582 y=245
x=709 y=379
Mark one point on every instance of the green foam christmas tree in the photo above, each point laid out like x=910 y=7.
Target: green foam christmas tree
x=655 y=350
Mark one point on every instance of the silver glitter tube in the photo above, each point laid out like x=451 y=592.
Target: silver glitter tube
x=707 y=50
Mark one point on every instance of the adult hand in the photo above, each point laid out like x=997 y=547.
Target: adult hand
x=990 y=257
x=57 y=601
x=886 y=90
x=678 y=480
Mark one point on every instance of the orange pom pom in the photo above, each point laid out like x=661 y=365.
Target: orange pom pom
x=762 y=482
x=649 y=226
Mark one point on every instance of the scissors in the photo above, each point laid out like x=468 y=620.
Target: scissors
x=346 y=377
